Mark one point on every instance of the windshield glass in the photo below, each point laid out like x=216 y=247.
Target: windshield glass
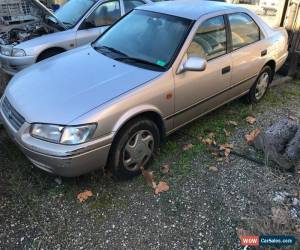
x=71 y=12
x=144 y=37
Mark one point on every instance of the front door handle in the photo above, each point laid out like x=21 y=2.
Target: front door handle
x=226 y=70
x=264 y=53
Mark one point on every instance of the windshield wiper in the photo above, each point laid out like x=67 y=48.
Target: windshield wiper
x=138 y=60
x=110 y=49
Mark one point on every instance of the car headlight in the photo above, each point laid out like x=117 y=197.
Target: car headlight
x=18 y=52
x=5 y=50
x=69 y=135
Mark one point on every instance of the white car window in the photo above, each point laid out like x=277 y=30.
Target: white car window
x=210 y=40
x=106 y=14
x=244 y=30
x=131 y=4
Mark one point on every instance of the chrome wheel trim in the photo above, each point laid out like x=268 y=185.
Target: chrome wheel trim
x=262 y=85
x=138 y=150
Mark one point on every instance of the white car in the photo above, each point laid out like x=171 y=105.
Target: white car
x=76 y=23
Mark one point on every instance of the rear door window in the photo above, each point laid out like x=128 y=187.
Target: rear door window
x=244 y=30
x=131 y=4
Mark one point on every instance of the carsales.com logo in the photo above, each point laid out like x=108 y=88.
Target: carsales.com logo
x=276 y=241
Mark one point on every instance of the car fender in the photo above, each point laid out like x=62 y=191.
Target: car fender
x=134 y=112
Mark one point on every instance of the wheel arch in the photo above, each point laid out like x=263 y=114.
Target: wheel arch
x=58 y=49
x=146 y=111
x=272 y=64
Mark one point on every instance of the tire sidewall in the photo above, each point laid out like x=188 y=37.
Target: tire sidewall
x=116 y=163
x=252 y=97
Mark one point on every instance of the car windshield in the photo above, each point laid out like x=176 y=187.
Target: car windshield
x=71 y=12
x=145 y=39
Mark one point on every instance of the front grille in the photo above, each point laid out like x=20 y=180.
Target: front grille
x=12 y=115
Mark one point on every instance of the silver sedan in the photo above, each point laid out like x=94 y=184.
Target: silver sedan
x=110 y=103
x=76 y=23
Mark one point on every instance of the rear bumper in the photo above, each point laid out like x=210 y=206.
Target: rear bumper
x=63 y=160
x=12 y=65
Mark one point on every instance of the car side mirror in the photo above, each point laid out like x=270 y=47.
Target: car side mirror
x=193 y=63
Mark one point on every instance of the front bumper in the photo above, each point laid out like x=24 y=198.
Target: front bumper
x=12 y=65
x=63 y=160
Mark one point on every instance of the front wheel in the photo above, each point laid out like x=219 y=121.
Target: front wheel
x=261 y=86
x=133 y=148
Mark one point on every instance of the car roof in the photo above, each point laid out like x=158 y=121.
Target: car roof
x=190 y=9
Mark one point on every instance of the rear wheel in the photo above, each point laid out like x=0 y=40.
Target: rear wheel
x=261 y=86
x=133 y=148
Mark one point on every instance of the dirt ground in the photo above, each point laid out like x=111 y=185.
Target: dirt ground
x=205 y=208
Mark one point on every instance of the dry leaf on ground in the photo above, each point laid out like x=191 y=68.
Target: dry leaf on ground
x=84 y=195
x=213 y=169
x=226 y=145
x=187 y=147
x=250 y=138
x=280 y=216
x=234 y=123
x=165 y=169
x=209 y=141
x=251 y=120
x=227 y=133
x=293 y=118
x=161 y=187
x=226 y=148
x=149 y=177
x=211 y=135
x=200 y=137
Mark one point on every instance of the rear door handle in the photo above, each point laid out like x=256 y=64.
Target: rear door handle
x=264 y=52
x=226 y=70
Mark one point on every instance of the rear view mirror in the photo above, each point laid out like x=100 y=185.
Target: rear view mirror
x=193 y=63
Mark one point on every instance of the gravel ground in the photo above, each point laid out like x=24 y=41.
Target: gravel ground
x=202 y=210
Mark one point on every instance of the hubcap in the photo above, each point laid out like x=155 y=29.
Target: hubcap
x=138 y=150
x=262 y=85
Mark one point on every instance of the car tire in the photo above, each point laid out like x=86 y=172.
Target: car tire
x=261 y=86
x=133 y=148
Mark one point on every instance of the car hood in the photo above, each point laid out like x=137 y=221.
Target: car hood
x=44 y=11
x=63 y=88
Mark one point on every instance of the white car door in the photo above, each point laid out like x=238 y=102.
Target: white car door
x=98 y=21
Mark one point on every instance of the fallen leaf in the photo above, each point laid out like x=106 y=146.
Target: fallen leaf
x=251 y=120
x=280 y=216
x=161 y=187
x=213 y=169
x=250 y=138
x=227 y=152
x=84 y=195
x=234 y=123
x=209 y=141
x=227 y=133
x=226 y=145
x=200 y=138
x=165 y=169
x=187 y=147
x=211 y=135
x=149 y=177
x=293 y=118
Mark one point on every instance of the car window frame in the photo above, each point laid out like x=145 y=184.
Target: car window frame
x=96 y=7
x=261 y=34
